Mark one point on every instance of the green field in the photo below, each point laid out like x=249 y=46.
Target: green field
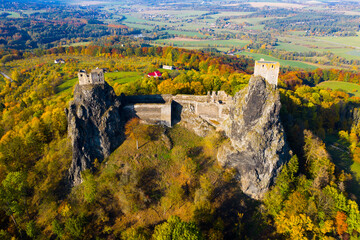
x=227 y=44
x=291 y=47
x=346 y=41
x=351 y=88
x=186 y=33
x=257 y=56
x=188 y=23
x=111 y=78
x=12 y=14
x=66 y=87
x=122 y=77
x=77 y=44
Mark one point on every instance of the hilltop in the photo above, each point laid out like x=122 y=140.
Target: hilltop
x=137 y=193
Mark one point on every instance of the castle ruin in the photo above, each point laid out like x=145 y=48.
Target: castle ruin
x=257 y=148
x=96 y=76
x=268 y=70
x=167 y=109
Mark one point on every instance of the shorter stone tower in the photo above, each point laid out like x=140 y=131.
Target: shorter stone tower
x=268 y=70
x=96 y=76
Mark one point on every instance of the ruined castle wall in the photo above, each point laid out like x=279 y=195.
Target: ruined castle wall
x=94 y=77
x=97 y=77
x=167 y=109
x=190 y=98
x=152 y=113
x=156 y=98
x=84 y=78
x=214 y=112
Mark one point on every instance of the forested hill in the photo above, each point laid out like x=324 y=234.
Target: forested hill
x=171 y=186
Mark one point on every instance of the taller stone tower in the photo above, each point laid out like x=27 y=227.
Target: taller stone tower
x=268 y=70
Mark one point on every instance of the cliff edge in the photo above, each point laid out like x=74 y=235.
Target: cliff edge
x=95 y=127
x=257 y=148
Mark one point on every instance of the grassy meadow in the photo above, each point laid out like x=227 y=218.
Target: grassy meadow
x=351 y=88
x=12 y=14
x=296 y=64
x=189 y=43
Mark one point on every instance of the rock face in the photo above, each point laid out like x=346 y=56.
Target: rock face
x=257 y=147
x=95 y=126
x=186 y=117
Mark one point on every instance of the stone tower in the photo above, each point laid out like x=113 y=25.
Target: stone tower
x=268 y=70
x=96 y=76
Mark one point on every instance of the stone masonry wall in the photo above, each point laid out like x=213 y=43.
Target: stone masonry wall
x=168 y=110
x=153 y=113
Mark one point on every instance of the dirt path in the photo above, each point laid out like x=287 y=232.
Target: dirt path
x=6 y=76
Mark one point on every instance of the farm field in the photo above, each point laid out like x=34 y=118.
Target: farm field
x=187 y=33
x=257 y=56
x=255 y=21
x=12 y=14
x=188 y=23
x=346 y=41
x=303 y=45
x=351 y=88
x=177 y=23
x=78 y=44
x=225 y=44
x=297 y=47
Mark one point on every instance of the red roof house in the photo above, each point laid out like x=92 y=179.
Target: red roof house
x=155 y=74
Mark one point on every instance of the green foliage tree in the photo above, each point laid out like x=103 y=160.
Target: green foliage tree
x=12 y=195
x=177 y=229
x=89 y=187
x=74 y=226
x=135 y=234
x=31 y=229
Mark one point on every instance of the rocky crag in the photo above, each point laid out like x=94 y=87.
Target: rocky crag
x=257 y=148
x=95 y=127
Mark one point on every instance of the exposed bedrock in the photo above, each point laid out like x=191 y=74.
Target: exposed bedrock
x=95 y=127
x=257 y=148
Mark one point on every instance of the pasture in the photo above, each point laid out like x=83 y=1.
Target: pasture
x=296 y=64
x=351 y=88
x=12 y=14
x=191 y=43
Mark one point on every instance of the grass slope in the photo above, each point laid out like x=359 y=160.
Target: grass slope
x=351 y=88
